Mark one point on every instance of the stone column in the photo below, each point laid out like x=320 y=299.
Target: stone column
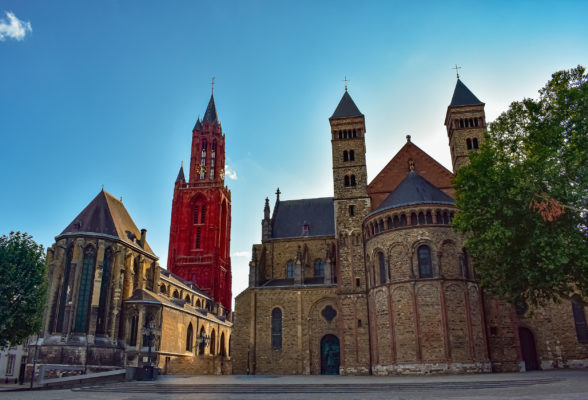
x=128 y=277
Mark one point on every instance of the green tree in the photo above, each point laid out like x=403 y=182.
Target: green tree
x=523 y=199
x=22 y=287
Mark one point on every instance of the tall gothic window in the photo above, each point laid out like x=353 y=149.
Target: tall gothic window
x=85 y=289
x=290 y=269
x=134 y=330
x=425 y=264
x=104 y=289
x=203 y=216
x=580 y=322
x=382 y=262
x=189 y=337
x=196 y=214
x=198 y=237
x=319 y=268
x=213 y=343
x=65 y=292
x=276 y=328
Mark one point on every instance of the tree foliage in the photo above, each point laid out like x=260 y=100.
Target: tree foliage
x=523 y=199
x=22 y=287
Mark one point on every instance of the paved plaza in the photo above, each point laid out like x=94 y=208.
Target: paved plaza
x=532 y=385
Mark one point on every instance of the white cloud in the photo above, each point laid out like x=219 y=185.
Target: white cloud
x=13 y=28
x=230 y=173
x=241 y=254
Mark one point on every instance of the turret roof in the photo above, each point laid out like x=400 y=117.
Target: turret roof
x=462 y=96
x=346 y=108
x=210 y=114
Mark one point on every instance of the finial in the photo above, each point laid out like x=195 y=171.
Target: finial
x=102 y=186
x=278 y=194
x=456 y=68
x=345 y=80
x=212 y=84
x=182 y=164
x=408 y=138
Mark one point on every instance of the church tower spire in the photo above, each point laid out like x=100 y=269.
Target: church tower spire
x=465 y=122
x=199 y=245
x=351 y=205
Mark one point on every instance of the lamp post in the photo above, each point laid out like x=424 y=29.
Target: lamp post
x=39 y=342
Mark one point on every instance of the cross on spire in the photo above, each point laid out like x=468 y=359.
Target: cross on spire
x=345 y=80
x=212 y=84
x=456 y=68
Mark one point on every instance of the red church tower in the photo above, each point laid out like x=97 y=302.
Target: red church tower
x=200 y=233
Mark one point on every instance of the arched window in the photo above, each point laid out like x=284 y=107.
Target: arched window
x=345 y=155
x=580 y=321
x=461 y=123
x=198 y=304
x=413 y=219
x=381 y=223
x=425 y=264
x=476 y=122
x=176 y=294
x=421 y=218
x=276 y=328
x=429 y=217
x=223 y=349
x=213 y=343
x=403 y=220
x=389 y=223
x=396 y=221
x=196 y=214
x=438 y=217
x=382 y=263
x=212 y=159
x=201 y=343
x=85 y=289
x=134 y=330
x=475 y=143
x=463 y=263
x=355 y=133
x=198 y=234
x=469 y=143
x=351 y=155
x=189 y=338
x=203 y=216
x=187 y=299
x=352 y=180
x=290 y=269
x=162 y=289
x=104 y=288
x=346 y=180
x=319 y=268
x=446 y=218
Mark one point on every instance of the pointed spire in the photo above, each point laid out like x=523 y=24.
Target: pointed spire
x=181 y=177
x=266 y=209
x=346 y=108
x=462 y=96
x=198 y=125
x=210 y=115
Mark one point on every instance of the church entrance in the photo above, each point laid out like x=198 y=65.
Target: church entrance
x=528 y=349
x=329 y=355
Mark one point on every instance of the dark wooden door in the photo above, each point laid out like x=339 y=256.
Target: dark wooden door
x=330 y=355
x=528 y=349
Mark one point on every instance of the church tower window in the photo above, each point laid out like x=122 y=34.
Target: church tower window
x=475 y=143
x=346 y=181
x=425 y=264
x=276 y=328
x=203 y=217
x=345 y=155
x=351 y=155
x=195 y=214
x=352 y=180
x=469 y=143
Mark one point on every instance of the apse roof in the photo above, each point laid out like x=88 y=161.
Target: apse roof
x=108 y=216
x=290 y=216
x=414 y=189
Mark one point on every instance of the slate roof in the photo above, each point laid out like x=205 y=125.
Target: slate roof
x=210 y=114
x=462 y=96
x=290 y=216
x=198 y=125
x=346 y=108
x=181 y=177
x=107 y=215
x=414 y=189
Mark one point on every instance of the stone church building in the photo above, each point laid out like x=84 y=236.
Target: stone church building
x=110 y=304
x=374 y=281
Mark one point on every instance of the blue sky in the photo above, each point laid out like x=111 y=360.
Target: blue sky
x=108 y=92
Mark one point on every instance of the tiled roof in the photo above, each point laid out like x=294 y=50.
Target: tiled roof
x=462 y=96
x=290 y=217
x=346 y=108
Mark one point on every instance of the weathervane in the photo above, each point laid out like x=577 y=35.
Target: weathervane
x=456 y=68
x=345 y=80
x=212 y=84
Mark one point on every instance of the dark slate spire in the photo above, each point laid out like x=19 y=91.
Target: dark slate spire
x=210 y=114
x=462 y=96
x=346 y=108
x=198 y=125
x=181 y=177
x=415 y=189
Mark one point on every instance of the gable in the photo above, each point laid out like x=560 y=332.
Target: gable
x=395 y=171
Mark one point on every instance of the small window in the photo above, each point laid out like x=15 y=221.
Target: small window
x=461 y=123
x=382 y=263
x=425 y=264
x=351 y=210
x=162 y=289
x=319 y=268
x=290 y=269
x=381 y=225
x=345 y=155
x=359 y=324
x=446 y=218
x=198 y=237
x=421 y=218
x=276 y=328
x=469 y=143
x=389 y=223
x=202 y=344
x=176 y=294
x=203 y=216
x=352 y=181
x=438 y=217
x=346 y=181
x=351 y=155
x=413 y=219
x=403 y=221
x=396 y=221
x=357 y=282
x=198 y=304
x=475 y=143
x=429 y=217
x=195 y=214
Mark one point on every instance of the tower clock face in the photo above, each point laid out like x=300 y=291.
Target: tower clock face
x=202 y=170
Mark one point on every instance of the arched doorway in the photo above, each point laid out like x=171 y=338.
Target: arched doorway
x=329 y=355
x=528 y=349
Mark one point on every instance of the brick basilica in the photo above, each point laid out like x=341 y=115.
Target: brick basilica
x=374 y=281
